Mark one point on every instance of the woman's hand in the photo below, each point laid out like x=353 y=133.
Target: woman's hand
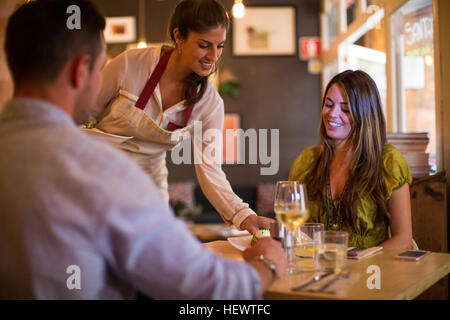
x=253 y=222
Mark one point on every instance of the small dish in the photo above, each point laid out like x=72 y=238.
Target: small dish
x=240 y=243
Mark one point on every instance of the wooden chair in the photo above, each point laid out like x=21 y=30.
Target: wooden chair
x=429 y=222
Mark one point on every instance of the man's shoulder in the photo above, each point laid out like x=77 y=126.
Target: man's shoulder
x=80 y=154
x=99 y=156
x=104 y=172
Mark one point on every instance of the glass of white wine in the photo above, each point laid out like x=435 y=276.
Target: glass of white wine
x=291 y=209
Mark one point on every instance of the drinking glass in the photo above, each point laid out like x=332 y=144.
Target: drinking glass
x=305 y=249
x=331 y=250
x=291 y=209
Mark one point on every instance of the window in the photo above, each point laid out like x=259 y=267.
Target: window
x=351 y=7
x=331 y=11
x=413 y=71
x=368 y=53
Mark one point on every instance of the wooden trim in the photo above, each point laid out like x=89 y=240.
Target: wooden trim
x=439 y=112
x=390 y=6
x=441 y=69
x=362 y=7
x=359 y=22
x=441 y=10
x=391 y=117
x=324 y=36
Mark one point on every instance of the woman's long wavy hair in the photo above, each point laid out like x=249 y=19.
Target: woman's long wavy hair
x=367 y=139
x=199 y=16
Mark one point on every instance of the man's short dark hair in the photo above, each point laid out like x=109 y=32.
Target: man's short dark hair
x=39 y=43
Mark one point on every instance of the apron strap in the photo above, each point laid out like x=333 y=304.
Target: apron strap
x=150 y=88
x=153 y=81
x=172 y=126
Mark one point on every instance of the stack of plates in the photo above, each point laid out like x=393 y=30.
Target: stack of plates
x=412 y=146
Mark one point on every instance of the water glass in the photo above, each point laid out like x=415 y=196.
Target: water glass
x=305 y=249
x=331 y=249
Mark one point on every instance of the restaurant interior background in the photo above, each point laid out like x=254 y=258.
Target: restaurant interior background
x=275 y=92
x=401 y=43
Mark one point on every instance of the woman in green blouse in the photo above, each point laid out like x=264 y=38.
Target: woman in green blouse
x=355 y=181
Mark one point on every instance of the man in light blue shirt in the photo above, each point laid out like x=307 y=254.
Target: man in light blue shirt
x=78 y=219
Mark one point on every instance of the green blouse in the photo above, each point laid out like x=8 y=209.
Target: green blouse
x=365 y=233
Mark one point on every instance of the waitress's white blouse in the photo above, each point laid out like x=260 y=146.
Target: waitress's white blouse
x=127 y=74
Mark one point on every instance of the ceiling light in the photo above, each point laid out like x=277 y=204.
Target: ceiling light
x=428 y=60
x=142 y=44
x=238 y=9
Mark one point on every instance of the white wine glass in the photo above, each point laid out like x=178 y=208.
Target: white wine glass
x=291 y=209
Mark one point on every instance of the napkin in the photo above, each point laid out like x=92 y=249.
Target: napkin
x=226 y=231
x=363 y=253
x=235 y=232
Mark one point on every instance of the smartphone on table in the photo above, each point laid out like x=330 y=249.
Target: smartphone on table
x=414 y=255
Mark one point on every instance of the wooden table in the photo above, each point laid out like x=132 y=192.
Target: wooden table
x=400 y=279
x=206 y=232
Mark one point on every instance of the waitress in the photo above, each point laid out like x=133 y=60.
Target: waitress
x=156 y=94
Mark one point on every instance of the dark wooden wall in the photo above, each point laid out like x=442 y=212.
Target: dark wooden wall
x=276 y=92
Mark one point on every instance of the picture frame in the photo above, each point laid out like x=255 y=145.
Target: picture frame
x=120 y=29
x=254 y=35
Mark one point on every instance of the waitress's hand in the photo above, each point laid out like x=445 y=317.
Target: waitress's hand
x=253 y=222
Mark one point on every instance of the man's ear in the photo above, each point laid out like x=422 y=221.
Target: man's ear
x=79 y=70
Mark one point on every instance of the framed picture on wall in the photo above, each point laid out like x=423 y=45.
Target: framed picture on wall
x=257 y=34
x=120 y=29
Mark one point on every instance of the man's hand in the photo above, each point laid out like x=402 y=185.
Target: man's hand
x=253 y=222
x=272 y=250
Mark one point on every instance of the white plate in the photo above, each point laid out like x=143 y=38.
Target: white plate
x=240 y=243
x=107 y=137
x=225 y=231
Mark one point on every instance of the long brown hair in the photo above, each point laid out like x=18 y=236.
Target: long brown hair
x=367 y=139
x=199 y=16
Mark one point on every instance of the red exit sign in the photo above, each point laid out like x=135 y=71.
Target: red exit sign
x=309 y=48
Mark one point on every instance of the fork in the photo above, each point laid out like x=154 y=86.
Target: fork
x=341 y=276
x=316 y=278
